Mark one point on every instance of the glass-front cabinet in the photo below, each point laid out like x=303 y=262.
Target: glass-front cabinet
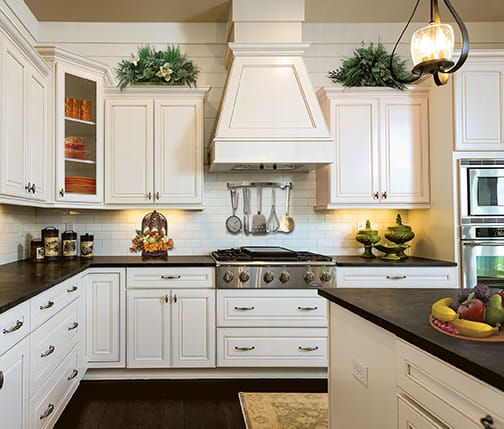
x=78 y=122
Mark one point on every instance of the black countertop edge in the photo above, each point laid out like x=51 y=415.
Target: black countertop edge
x=462 y=354
x=411 y=261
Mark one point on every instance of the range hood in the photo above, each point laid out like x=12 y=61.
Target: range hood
x=269 y=118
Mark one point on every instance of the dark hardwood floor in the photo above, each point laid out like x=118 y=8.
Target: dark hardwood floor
x=169 y=404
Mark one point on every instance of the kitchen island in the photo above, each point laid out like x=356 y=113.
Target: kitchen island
x=389 y=368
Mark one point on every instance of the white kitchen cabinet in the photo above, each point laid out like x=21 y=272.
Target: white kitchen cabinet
x=274 y=328
x=25 y=124
x=394 y=276
x=14 y=386
x=78 y=130
x=478 y=92
x=409 y=416
x=154 y=147
x=105 y=317
x=381 y=143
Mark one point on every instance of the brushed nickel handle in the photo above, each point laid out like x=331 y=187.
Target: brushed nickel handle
x=308 y=308
x=149 y=196
x=49 y=351
x=307 y=349
x=73 y=375
x=18 y=325
x=47 y=412
x=175 y=277
x=73 y=326
x=1 y=379
x=46 y=306
x=62 y=192
x=395 y=277
x=376 y=195
x=244 y=348
x=157 y=195
x=72 y=289
x=384 y=195
x=245 y=308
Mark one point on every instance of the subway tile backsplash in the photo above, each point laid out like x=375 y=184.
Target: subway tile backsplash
x=200 y=232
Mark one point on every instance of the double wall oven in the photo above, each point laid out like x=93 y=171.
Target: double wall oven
x=482 y=221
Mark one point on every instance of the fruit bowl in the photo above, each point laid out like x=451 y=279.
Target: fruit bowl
x=497 y=338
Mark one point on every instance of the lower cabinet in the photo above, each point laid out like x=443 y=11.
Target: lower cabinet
x=105 y=317
x=410 y=415
x=273 y=328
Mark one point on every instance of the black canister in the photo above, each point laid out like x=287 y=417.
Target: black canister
x=37 y=252
x=69 y=244
x=86 y=246
x=51 y=242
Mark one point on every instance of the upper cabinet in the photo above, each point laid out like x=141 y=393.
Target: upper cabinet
x=154 y=147
x=24 y=136
x=381 y=144
x=479 y=102
x=78 y=121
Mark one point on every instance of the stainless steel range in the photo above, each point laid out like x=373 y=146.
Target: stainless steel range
x=272 y=268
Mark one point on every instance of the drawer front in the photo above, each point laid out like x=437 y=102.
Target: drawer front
x=410 y=416
x=54 y=395
x=456 y=398
x=277 y=347
x=14 y=325
x=170 y=277
x=395 y=277
x=286 y=308
x=48 y=303
x=51 y=342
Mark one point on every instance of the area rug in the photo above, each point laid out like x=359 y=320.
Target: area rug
x=284 y=410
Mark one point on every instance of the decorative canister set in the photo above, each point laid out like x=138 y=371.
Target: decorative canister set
x=49 y=246
x=398 y=235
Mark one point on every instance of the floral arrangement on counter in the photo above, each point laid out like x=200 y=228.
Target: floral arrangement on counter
x=151 y=242
x=369 y=66
x=157 y=67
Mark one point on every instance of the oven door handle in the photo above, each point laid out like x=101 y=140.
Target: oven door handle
x=482 y=243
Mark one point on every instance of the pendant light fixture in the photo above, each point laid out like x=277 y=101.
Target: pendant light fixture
x=432 y=46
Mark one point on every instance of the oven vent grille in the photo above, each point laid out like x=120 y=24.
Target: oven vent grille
x=481 y=162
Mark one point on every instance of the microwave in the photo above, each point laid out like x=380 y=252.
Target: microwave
x=482 y=187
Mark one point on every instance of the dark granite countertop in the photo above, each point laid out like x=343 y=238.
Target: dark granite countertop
x=405 y=313
x=412 y=261
x=22 y=280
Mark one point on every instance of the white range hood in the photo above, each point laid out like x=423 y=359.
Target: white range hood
x=270 y=118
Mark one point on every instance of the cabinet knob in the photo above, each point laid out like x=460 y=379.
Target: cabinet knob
x=487 y=422
x=62 y=192
x=384 y=195
x=157 y=195
x=33 y=189
x=28 y=187
x=166 y=298
x=175 y=298
x=376 y=195
x=149 y=196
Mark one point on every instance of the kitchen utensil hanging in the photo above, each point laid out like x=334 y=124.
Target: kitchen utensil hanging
x=259 y=220
x=286 y=221
x=233 y=222
x=272 y=223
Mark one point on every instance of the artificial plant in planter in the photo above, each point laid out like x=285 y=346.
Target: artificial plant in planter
x=369 y=66
x=157 y=67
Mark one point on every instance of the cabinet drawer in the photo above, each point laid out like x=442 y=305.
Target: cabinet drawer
x=397 y=277
x=288 y=308
x=48 y=303
x=170 y=277
x=280 y=347
x=409 y=416
x=14 y=325
x=51 y=342
x=55 y=393
x=454 y=397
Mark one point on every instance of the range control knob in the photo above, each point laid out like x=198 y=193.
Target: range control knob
x=309 y=277
x=228 y=276
x=284 y=276
x=244 y=277
x=325 y=276
x=268 y=277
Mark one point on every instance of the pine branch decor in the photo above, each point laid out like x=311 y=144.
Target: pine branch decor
x=159 y=67
x=370 y=67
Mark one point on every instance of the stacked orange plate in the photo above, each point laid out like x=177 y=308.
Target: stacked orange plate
x=80 y=185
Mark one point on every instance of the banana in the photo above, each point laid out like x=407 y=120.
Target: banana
x=441 y=310
x=472 y=329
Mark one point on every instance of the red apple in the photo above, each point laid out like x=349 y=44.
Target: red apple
x=473 y=309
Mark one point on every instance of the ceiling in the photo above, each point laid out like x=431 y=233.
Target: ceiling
x=217 y=10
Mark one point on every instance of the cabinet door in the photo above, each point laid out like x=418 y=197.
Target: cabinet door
x=148 y=328
x=178 y=160
x=129 y=151
x=193 y=327
x=404 y=150
x=479 y=105
x=14 y=386
x=105 y=291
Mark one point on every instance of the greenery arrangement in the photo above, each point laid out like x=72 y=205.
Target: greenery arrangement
x=159 y=67
x=370 y=67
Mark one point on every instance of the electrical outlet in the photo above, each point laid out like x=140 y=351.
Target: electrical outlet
x=360 y=373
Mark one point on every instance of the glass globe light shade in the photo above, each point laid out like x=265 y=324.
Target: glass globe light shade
x=432 y=47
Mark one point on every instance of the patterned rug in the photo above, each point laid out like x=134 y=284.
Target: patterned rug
x=284 y=410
